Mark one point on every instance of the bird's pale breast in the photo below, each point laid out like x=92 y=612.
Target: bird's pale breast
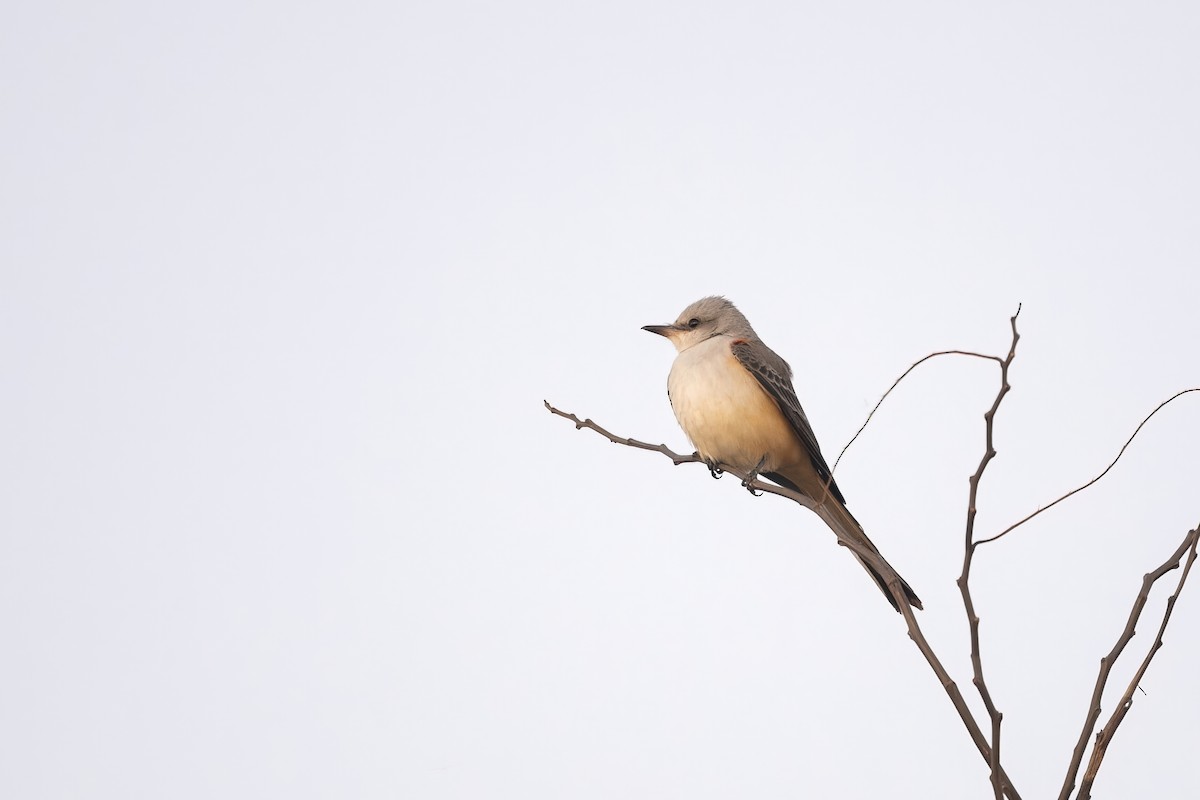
x=724 y=411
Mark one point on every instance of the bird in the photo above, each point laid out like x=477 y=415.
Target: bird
x=734 y=399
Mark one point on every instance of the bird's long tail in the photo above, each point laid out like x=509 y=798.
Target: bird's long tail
x=843 y=523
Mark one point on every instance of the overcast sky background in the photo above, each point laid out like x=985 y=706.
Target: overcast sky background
x=283 y=287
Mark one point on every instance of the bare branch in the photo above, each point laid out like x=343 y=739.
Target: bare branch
x=1104 y=737
x=891 y=579
x=587 y=423
x=964 y=580
x=1076 y=490
x=896 y=383
x=956 y=699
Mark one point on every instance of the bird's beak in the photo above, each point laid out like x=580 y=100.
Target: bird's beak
x=661 y=330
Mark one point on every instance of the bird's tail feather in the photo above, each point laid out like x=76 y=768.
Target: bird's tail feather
x=843 y=523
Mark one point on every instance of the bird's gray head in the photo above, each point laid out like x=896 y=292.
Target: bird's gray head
x=704 y=319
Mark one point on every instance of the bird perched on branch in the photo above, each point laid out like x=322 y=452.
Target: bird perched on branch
x=734 y=399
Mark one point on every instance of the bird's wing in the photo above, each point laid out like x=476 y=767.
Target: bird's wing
x=778 y=385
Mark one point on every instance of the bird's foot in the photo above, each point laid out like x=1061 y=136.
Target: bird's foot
x=714 y=468
x=748 y=484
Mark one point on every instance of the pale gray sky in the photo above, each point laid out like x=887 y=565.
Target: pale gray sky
x=282 y=289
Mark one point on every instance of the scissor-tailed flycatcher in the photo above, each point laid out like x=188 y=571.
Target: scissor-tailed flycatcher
x=734 y=399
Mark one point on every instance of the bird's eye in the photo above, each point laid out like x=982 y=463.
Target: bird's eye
x=693 y=322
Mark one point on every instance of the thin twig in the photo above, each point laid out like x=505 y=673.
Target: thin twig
x=896 y=383
x=964 y=580
x=1104 y=737
x=1128 y=441
x=587 y=423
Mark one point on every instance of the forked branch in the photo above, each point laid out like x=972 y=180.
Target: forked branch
x=1104 y=737
x=978 y=679
x=877 y=563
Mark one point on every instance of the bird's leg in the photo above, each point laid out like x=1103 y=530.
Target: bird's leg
x=714 y=468
x=748 y=484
